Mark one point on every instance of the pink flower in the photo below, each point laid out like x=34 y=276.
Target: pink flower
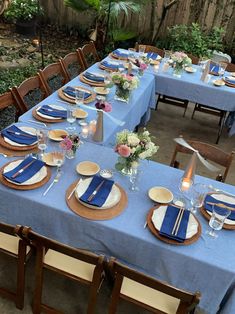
x=143 y=66
x=66 y=144
x=124 y=150
x=107 y=107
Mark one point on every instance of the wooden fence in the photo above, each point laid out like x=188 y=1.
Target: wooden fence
x=208 y=13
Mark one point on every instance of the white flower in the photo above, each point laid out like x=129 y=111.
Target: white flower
x=146 y=133
x=126 y=85
x=134 y=164
x=133 y=140
x=143 y=155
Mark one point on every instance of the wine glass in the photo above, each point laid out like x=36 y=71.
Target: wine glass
x=58 y=159
x=198 y=192
x=222 y=68
x=141 y=50
x=71 y=118
x=42 y=141
x=79 y=96
x=219 y=214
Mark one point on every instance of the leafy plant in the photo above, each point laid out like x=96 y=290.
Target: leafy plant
x=193 y=40
x=24 y=10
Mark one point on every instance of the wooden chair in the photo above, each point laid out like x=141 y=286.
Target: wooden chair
x=70 y=262
x=154 y=295
x=12 y=246
x=209 y=152
x=53 y=77
x=72 y=64
x=230 y=67
x=148 y=48
x=10 y=110
x=195 y=60
x=30 y=92
x=88 y=54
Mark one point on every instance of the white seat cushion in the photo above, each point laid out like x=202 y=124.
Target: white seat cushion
x=69 y=265
x=10 y=243
x=149 y=296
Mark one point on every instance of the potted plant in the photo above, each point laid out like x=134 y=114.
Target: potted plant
x=24 y=13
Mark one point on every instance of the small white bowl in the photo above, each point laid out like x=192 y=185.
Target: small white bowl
x=160 y=195
x=218 y=83
x=190 y=70
x=87 y=168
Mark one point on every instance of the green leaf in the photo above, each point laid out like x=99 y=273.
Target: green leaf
x=81 y=5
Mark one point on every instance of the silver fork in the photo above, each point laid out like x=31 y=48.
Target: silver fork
x=4 y=155
x=56 y=180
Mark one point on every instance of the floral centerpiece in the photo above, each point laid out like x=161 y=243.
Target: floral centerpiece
x=103 y=105
x=70 y=144
x=124 y=83
x=132 y=147
x=142 y=65
x=180 y=60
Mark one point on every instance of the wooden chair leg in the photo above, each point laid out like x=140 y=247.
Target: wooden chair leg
x=115 y=295
x=221 y=127
x=96 y=283
x=195 y=106
x=186 y=107
x=21 y=275
x=38 y=281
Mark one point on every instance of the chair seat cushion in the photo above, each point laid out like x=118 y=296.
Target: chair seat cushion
x=10 y=243
x=69 y=265
x=149 y=296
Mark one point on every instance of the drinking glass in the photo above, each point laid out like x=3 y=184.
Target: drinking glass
x=142 y=49
x=79 y=96
x=219 y=214
x=222 y=68
x=167 y=54
x=197 y=196
x=59 y=158
x=71 y=118
x=42 y=141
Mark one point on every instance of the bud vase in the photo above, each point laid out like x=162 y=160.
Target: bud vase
x=122 y=94
x=177 y=71
x=71 y=153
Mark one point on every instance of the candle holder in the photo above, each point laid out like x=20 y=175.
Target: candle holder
x=85 y=130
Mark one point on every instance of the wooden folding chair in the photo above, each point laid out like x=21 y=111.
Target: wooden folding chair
x=12 y=246
x=53 y=77
x=89 y=54
x=149 y=293
x=76 y=264
x=230 y=67
x=209 y=152
x=194 y=59
x=30 y=92
x=148 y=48
x=72 y=64
x=10 y=110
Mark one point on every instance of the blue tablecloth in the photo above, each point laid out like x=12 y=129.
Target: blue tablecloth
x=136 y=112
x=207 y=265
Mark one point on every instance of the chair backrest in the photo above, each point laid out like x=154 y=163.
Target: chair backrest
x=72 y=64
x=53 y=77
x=148 y=48
x=230 y=67
x=30 y=92
x=147 y=292
x=89 y=54
x=10 y=110
x=209 y=152
x=194 y=59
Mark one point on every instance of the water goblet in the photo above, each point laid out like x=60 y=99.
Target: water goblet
x=58 y=159
x=219 y=214
x=71 y=118
x=79 y=96
x=142 y=50
x=222 y=68
x=42 y=141
x=167 y=54
x=197 y=196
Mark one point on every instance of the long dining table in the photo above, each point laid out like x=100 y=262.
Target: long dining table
x=206 y=265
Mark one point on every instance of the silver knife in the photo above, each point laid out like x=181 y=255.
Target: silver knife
x=56 y=179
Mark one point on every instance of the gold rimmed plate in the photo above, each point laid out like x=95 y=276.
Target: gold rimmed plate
x=87 y=168
x=102 y=90
x=50 y=158
x=57 y=134
x=160 y=194
x=80 y=114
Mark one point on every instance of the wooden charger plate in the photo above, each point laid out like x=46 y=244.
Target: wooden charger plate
x=112 y=55
x=71 y=100
x=207 y=216
x=171 y=241
x=84 y=80
x=95 y=214
x=228 y=84
x=39 y=118
x=16 y=148
x=24 y=187
x=11 y=152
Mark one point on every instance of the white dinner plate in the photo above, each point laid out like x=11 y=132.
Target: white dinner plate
x=112 y=200
x=37 y=177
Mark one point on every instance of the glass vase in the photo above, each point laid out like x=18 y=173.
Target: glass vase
x=122 y=94
x=71 y=153
x=177 y=71
x=134 y=178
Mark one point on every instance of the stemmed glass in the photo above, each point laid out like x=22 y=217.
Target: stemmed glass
x=79 y=96
x=71 y=118
x=42 y=141
x=58 y=159
x=198 y=193
x=219 y=214
x=141 y=50
x=222 y=68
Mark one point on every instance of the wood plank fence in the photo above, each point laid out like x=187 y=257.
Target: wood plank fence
x=208 y=13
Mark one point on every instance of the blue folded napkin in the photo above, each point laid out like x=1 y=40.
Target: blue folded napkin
x=52 y=112
x=101 y=195
x=27 y=173
x=70 y=91
x=211 y=199
x=229 y=80
x=93 y=77
x=19 y=138
x=214 y=68
x=109 y=65
x=169 y=222
x=121 y=53
x=152 y=55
